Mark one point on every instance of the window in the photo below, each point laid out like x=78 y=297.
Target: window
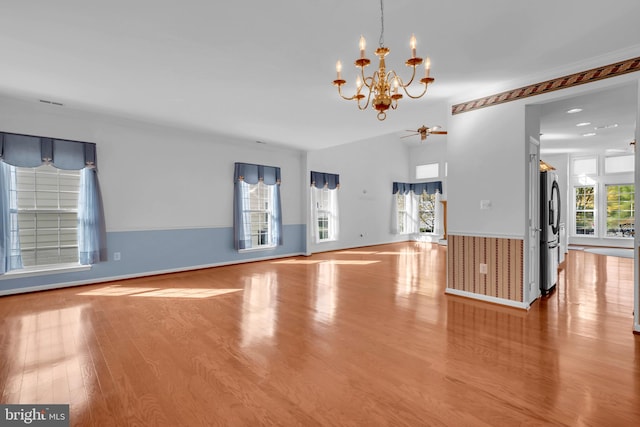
x=50 y=205
x=427 y=212
x=415 y=207
x=406 y=213
x=431 y=170
x=618 y=164
x=324 y=212
x=604 y=205
x=620 y=210
x=47 y=202
x=324 y=206
x=257 y=214
x=585 y=166
x=402 y=202
x=258 y=199
x=585 y=210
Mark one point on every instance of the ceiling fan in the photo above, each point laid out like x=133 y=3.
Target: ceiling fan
x=424 y=131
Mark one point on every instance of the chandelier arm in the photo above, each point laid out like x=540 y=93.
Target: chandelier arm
x=418 y=96
x=348 y=98
x=371 y=79
x=366 y=105
x=413 y=75
x=400 y=81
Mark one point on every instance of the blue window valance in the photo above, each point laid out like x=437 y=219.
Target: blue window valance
x=31 y=151
x=401 y=187
x=427 y=187
x=417 y=188
x=27 y=151
x=322 y=180
x=252 y=174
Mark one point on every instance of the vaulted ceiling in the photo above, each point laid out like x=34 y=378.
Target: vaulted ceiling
x=262 y=70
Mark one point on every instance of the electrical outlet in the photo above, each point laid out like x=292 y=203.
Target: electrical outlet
x=483 y=268
x=116 y=256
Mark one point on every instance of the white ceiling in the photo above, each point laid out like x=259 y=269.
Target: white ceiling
x=611 y=115
x=262 y=70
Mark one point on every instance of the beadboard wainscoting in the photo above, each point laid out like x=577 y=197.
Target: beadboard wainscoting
x=504 y=260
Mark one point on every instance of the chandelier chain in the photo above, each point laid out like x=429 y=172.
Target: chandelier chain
x=381 y=40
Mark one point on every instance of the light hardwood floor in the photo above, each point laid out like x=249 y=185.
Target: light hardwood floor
x=362 y=337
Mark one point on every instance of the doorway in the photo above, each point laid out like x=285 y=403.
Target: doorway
x=597 y=127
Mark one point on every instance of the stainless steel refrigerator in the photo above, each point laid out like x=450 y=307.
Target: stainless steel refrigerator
x=550 y=213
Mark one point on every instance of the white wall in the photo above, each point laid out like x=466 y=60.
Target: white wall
x=367 y=171
x=486 y=157
x=155 y=177
x=167 y=192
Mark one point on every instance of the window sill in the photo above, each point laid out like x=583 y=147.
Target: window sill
x=44 y=270
x=258 y=249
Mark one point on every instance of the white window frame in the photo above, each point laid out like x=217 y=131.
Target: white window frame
x=576 y=211
x=600 y=180
x=631 y=233
x=324 y=215
x=406 y=214
x=258 y=202
x=401 y=212
x=324 y=210
x=432 y=212
x=47 y=185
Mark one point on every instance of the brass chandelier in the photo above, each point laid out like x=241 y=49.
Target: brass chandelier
x=383 y=85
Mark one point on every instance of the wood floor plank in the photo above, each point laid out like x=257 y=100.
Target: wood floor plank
x=351 y=338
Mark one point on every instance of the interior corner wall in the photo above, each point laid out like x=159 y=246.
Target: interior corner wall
x=367 y=171
x=167 y=192
x=432 y=150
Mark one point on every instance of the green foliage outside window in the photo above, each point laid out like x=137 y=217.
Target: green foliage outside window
x=585 y=210
x=620 y=210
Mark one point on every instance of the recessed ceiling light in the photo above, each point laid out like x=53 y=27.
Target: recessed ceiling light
x=589 y=134
x=583 y=124
x=574 y=110
x=612 y=125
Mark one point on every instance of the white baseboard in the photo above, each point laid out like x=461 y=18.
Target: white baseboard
x=486 y=298
x=135 y=275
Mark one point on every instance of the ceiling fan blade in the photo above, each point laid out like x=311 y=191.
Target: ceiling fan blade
x=407 y=136
x=438 y=132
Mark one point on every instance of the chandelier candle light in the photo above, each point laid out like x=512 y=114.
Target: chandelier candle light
x=383 y=85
